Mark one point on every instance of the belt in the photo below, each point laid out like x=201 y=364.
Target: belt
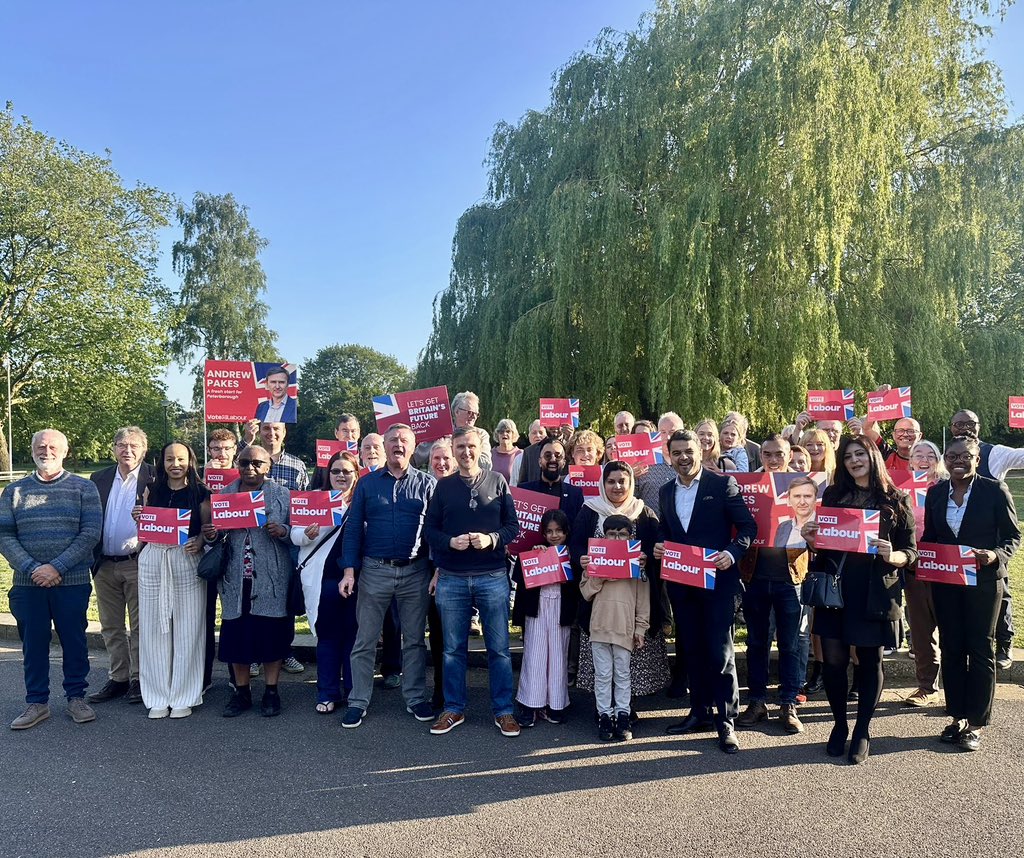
x=384 y=561
x=119 y=558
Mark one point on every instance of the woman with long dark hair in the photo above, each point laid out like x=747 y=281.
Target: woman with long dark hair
x=870 y=586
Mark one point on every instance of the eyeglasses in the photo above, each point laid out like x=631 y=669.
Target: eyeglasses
x=337 y=471
x=553 y=456
x=964 y=424
x=255 y=464
x=959 y=457
x=121 y=445
x=906 y=431
x=468 y=413
x=222 y=449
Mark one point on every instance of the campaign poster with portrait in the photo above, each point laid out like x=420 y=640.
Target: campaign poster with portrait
x=427 y=412
x=781 y=503
x=235 y=391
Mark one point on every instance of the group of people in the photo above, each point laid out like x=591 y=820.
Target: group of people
x=423 y=543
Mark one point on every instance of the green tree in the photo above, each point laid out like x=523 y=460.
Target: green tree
x=341 y=379
x=82 y=316
x=737 y=202
x=220 y=314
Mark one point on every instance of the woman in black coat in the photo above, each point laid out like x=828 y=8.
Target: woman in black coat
x=971 y=510
x=870 y=585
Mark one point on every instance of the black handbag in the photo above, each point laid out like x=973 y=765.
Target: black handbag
x=214 y=562
x=822 y=589
x=296 y=598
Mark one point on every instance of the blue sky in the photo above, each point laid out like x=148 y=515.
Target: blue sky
x=354 y=132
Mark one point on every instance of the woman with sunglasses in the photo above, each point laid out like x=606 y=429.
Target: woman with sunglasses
x=332 y=619
x=255 y=623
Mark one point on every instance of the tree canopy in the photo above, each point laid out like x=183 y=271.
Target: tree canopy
x=80 y=303
x=744 y=200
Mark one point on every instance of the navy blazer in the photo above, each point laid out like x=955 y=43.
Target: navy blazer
x=990 y=521
x=718 y=511
x=104 y=481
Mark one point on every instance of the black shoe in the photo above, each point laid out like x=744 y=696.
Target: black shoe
x=727 y=738
x=241 y=701
x=134 y=693
x=853 y=695
x=623 y=733
x=815 y=686
x=1004 y=657
x=526 y=716
x=677 y=691
x=860 y=746
x=552 y=716
x=951 y=733
x=692 y=723
x=970 y=740
x=837 y=740
x=270 y=705
x=112 y=690
x=605 y=730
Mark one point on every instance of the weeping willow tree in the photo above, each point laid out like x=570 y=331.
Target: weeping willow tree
x=738 y=202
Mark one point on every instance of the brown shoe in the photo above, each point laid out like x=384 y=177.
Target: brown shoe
x=922 y=698
x=35 y=713
x=79 y=711
x=446 y=722
x=507 y=724
x=755 y=712
x=789 y=720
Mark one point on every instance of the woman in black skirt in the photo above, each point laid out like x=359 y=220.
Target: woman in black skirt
x=255 y=624
x=870 y=584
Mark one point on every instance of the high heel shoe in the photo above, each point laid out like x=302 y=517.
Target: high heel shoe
x=837 y=740
x=860 y=746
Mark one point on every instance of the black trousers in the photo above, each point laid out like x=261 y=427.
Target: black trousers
x=1004 y=628
x=967 y=626
x=704 y=623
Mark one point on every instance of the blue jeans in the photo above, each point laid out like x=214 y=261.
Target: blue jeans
x=35 y=608
x=760 y=599
x=456 y=597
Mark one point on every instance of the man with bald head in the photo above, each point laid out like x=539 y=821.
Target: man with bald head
x=50 y=522
x=906 y=432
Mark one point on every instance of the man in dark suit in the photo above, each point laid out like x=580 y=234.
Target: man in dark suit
x=702 y=508
x=115 y=570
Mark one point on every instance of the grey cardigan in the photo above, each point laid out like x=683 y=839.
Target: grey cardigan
x=271 y=561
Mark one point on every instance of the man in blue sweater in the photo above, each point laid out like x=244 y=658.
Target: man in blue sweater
x=49 y=524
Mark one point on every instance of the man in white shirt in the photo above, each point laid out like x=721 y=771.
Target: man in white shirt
x=116 y=567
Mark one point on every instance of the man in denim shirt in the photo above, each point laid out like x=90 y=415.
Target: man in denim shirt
x=383 y=539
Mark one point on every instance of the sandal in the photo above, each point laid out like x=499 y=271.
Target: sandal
x=325 y=707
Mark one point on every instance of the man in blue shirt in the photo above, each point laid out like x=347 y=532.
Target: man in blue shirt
x=383 y=539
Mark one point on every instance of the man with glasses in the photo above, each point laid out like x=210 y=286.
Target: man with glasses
x=906 y=432
x=997 y=460
x=552 y=479
x=116 y=568
x=221 y=448
x=465 y=411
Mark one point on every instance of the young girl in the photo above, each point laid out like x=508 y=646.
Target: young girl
x=733 y=439
x=546 y=615
x=620 y=617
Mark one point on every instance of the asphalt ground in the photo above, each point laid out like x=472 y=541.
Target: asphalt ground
x=300 y=785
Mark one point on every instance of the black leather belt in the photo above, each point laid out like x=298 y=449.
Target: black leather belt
x=398 y=564
x=119 y=558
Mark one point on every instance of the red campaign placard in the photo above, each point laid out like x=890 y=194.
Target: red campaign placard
x=891 y=405
x=614 y=558
x=847 y=529
x=217 y=478
x=236 y=391
x=560 y=412
x=916 y=485
x=947 y=564
x=426 y=411
x=546 y=566
x=587 y=478
x=365 y=471
x=759 y=496
x=831 y=404
x=164 y=526
x=690 y=565
x=324 y=508
x=640 y=450
x=530 y=508
x=238 y=510
x=1017 y=412
x=325 y=450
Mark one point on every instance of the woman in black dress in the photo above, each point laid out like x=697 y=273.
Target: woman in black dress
x=870 y=584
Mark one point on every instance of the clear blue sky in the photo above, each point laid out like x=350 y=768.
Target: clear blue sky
x=354 y=132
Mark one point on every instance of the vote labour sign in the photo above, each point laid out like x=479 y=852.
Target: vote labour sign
x=614 y=558
x=426 y=411
x=325 y=450
x=545 y=566
x=842 y=529
x=560 y=412
x=587 y=478
x=235 y=391
x=238 y=510
x=891 y=405
x=164 y=526
x=690 y=565
x=640 y=450
x=1017 y=412
x=915 y=484
x=831 y=404
x=947 y=564
x=530 y=508
x=217 y=478
x=324 y=508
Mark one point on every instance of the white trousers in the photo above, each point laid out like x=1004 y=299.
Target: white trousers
x=611 y=664
x=172 y=627
x=544 y=675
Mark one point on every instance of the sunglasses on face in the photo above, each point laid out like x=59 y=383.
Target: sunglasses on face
x=255 y=464
x=338 y=471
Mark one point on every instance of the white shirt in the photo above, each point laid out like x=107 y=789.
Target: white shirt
x=120 y=533
x=1002 y=460
x=275 y=413
x=685 y=498
x=954 y=513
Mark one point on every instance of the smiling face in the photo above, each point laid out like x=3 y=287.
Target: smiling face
x=442 y=461
x=272 y=437
x=961 y=461
x=176 y=461
x=686 y=459
x=802 y=500
x=467 y=452
x=706 y=437
x=584 y=454
x=467 y=412
x=129 y=451
x=371 y=451
x=277 y=385
x=617 y=487
x=858 y=464
x=906 y=433
x=554 y=535
x=398 y=446
x=624 y=423
x=800 y=461
x=343 y=474
x=923 y=458
x=832 y=428
x=48 y=452
x=552 y=459
x=775 y=456
x=253 y=467
x=537 y=432
x=222 y=453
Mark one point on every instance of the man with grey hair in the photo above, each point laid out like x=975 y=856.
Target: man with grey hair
x=465 y=411
x=116 y=567
x=624 y=423
x=49 y=524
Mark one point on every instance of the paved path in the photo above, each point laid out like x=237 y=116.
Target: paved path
x=300 y=785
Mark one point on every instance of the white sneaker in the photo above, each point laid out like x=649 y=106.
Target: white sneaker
x=156 y=714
